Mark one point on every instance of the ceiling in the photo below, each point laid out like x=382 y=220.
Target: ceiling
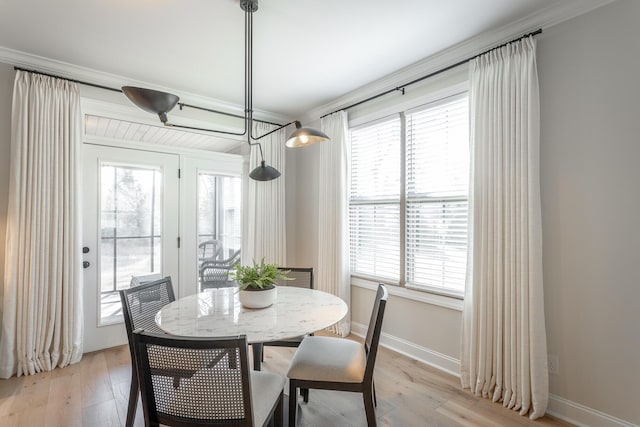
x=306 y=53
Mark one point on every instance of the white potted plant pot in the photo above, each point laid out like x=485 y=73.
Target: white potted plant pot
x=258 y=298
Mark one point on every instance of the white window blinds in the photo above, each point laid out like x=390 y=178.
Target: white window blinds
x=409 y=197
x=374 y=208
x=437 y=170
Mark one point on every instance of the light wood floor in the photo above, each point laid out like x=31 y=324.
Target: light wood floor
x=94 y=392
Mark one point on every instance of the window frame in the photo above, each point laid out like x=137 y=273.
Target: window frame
x=440 y=296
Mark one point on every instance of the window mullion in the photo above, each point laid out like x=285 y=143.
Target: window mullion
x=403 y=198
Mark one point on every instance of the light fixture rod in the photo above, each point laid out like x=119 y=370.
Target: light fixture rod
x=224 y=113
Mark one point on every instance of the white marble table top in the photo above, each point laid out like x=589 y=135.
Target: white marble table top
x=218 y=312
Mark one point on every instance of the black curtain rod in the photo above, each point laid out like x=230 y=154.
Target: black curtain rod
x=67 y=79
x=435 y=73
x=119 y=90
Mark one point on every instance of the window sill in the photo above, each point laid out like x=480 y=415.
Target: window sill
x=412 y=294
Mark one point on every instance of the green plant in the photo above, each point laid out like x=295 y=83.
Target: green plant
x=259 y=276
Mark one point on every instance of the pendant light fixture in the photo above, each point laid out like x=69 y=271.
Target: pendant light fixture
x=161 y=103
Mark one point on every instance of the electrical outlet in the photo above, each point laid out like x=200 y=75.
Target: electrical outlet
x=554 y=364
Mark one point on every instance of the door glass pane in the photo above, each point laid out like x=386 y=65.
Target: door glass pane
x=219 y=228
x=130 y=230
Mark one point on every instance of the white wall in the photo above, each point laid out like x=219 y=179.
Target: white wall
x=589 y=69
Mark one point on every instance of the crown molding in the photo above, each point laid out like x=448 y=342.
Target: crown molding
x=544 y=18
x=76 y=72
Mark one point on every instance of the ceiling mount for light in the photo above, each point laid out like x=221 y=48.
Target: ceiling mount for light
x=161 y=103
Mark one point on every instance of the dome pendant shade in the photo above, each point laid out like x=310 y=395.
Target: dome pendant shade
x=264 y=172
x=152 y=101
x=301 y=137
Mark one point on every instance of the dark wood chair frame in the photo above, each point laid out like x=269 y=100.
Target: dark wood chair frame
x=292 y=343
x=128 y=321
x=151 y=416
x=366 y=387
x=258 y=349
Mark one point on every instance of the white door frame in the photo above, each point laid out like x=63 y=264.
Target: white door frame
x=103 y=336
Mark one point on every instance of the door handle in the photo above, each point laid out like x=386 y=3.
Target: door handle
x=85 y=264
x=85 y=250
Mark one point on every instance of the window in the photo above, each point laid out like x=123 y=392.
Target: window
x=219 y=215
x=409 y=197
x=374 y=208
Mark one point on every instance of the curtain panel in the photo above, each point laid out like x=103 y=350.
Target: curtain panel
x=504 y=355
x=333 y=275
x=42 y=310
x=266 y=235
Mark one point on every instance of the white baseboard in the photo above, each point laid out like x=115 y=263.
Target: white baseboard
x=559 y=407
x=414 y=351
x=581 y=415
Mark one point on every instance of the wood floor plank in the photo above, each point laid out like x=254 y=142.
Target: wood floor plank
x=64 y=407
x=103 y=414
x=96 y=383
x=34 y=392
x=8 y=391
x=33 y=416
x=466 y=415
x=95 y=392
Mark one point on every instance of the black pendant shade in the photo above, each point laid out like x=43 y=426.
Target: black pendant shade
x=152 y=101
x=264 y=172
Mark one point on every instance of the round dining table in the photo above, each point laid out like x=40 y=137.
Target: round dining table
x=218 y=312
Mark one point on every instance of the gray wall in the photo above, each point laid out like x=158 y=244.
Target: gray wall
x=6 y=91
x=590 y=147
x=589 y=69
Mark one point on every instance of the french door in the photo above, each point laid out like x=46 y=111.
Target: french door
x=211 y=218
x=130 y=228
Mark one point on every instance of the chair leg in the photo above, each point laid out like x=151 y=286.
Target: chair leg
x=133 y=399
x=305 y=394
x=257 y=355
x=373 y=387
x=293 y=403
x=278 y=415
x=369 y=407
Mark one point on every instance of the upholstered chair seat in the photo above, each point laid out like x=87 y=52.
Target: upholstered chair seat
x=332 y=363
x=329 y=359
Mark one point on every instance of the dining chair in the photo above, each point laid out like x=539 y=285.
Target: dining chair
x=330 y=363
x=223 y=394
x=215 y=273
x=139 y=306
x=302 y=278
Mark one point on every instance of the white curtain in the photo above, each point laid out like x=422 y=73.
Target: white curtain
x=504 y=355
x=333 y=217
x=42 y=311
x=266 y=235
